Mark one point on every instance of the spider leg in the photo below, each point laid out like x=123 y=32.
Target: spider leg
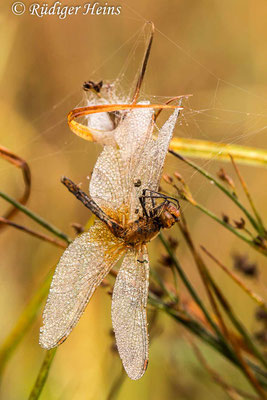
x=142 y=202
x=163 y=196
x=155 y=209
x=148 y=197
x=166 y=198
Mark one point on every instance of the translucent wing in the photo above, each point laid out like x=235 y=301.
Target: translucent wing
x=150 y=166
x=112 y=179
x=138 y=157
x=157 y=151
x=129 y=321
x=108 y=181
x=133 y=134
x=82 y=267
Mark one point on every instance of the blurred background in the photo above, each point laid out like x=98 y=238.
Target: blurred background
x=215 y=51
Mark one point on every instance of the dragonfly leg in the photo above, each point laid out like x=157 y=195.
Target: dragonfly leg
x=115 y=228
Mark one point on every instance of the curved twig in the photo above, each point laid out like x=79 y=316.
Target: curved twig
x=26 y=173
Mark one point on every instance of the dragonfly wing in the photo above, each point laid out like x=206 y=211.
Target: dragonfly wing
x=150 y=165
x=159 y=151
x=107 y=184
x=133 y=133
x=138 y=157
x=112 y=181
x=82 y=267
x=156 y=152
x=129 y=320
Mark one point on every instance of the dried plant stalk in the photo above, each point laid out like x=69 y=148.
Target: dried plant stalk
x=233 y=393
x=33 y=233
x=26 y=173
x=235 y=278
x=219 y=151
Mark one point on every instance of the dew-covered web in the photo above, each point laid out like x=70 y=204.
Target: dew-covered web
x=212 y=117
x=225 y=113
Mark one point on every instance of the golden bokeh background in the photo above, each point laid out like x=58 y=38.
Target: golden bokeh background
x=215 y=51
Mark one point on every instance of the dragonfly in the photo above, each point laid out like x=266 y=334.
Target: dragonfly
x=130 y=212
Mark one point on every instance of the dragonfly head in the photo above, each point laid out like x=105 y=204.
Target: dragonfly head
x=169 y=215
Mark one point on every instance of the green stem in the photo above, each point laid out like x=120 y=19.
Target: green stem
x=158 y=279
x=201 y=332
x=187 y=321
x=198 y=300
x=210 y=284
x=42 y=375
x=190 y=288
x=220 y=186
x=239 y=326
x=36 y=217
x=249 y=197
x=230 y=228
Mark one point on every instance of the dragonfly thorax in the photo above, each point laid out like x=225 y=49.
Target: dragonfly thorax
x=146 y=228
x=141 y=231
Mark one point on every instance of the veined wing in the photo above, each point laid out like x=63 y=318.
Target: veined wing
x=157 y=151
x=133 y=134
x=112 y=181
x=129 y=320
x=82 y=267
x=108 y=182
x=138 y=157
x=150 y=166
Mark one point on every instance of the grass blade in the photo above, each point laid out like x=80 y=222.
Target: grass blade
x=220 y=151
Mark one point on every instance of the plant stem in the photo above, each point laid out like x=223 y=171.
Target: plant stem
x=220 y=186
x=210 y=284
x=33 y=233
x=186 y=320
x=220 y=151
x=252 y=295
x=190 y=287
x=43 y=374
x=200 y=331
x=239 y=326
x=245 y=188
x=230 y=390
x=35 y=217
x=159 y=281
x=116 y=386
x=230 y=228
x=26 y=173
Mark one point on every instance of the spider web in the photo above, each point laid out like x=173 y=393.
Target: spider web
x=52 y=150
x=206 y=115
